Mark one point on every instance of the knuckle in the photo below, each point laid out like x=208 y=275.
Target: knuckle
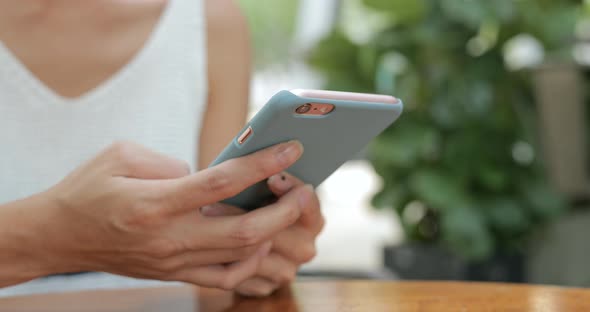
x=123 y=154
x=292 y=214
x=218 y=181
x=142 y=216
x=120 y=149
x=275 y=165
x=286 y=275
x=306 y=253
x=261 y=165
x=228 y=282
x=163 y=249
x=165 y=201
x=184 y=166
x=247 y=232
x=169 y=266
x=245 y=252
x=176 y=168
x=267 y=168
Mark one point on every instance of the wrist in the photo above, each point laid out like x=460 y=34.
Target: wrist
x=28 y=229
x=54 y=242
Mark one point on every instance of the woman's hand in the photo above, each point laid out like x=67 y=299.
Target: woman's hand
x=134 y=212
x=291 y=247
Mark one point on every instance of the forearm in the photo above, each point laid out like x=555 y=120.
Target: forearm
x=228 y=64
x=25 y=243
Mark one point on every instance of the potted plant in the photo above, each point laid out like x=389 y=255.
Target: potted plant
x=461 y=167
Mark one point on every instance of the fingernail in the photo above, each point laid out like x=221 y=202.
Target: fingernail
x=208 y=210
x=305 y=195
x=289 y=152
x=280 y=182
x=220 y=210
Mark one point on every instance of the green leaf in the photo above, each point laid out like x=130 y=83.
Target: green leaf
x=459 y=149
x=334 y=53
x=473 y=12
x=506 y=215
x=493 y=178
x=439 y=190
x=443 y=114
x=367 y=62
x=545 y=202
x=405 y=144
x=554 y=30
x=478 y=98
x=560 y=28
x=336 y=56
x=395 y=197
x=404 y=11
x=390 y=66
x=407 y=87
x=465 y=232
x=469 y=12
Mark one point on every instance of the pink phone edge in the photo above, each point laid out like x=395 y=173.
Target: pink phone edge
x=345 y=96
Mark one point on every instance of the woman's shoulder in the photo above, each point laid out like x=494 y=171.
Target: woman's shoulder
x=228 y=39
x=225 y=17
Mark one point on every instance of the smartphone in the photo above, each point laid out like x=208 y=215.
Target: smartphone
x=332 y=126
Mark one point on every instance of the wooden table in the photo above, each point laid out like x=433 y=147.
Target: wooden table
x=319 y=296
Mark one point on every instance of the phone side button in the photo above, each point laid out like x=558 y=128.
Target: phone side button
x=245 y=135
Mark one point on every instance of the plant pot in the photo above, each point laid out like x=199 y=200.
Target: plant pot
x=430 y=262
x=559 y=253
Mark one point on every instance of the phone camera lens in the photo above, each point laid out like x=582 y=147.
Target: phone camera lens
x=303 y=108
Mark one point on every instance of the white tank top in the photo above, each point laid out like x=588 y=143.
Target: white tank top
x=157 y=100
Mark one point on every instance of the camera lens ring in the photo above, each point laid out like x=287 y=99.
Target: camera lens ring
x=303 y=108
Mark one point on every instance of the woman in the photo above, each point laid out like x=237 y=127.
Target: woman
x=104 y=107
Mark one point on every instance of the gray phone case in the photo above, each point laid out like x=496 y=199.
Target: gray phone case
x=328 y=140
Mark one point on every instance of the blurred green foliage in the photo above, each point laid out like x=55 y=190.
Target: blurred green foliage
x=461 y=166
x=272 y=24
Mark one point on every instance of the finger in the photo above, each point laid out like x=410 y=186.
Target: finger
x=220 y=210
x=223 y=276
x=137 y=161
x=281 y=183
x=187 y=261
x=193 y=259
x=231 y=177
x=256 y=287
x=312 y=217
x=296 y=244
x=253 y=227
x=277 y=269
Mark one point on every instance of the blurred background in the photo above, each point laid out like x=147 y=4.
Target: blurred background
x=485 y=175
